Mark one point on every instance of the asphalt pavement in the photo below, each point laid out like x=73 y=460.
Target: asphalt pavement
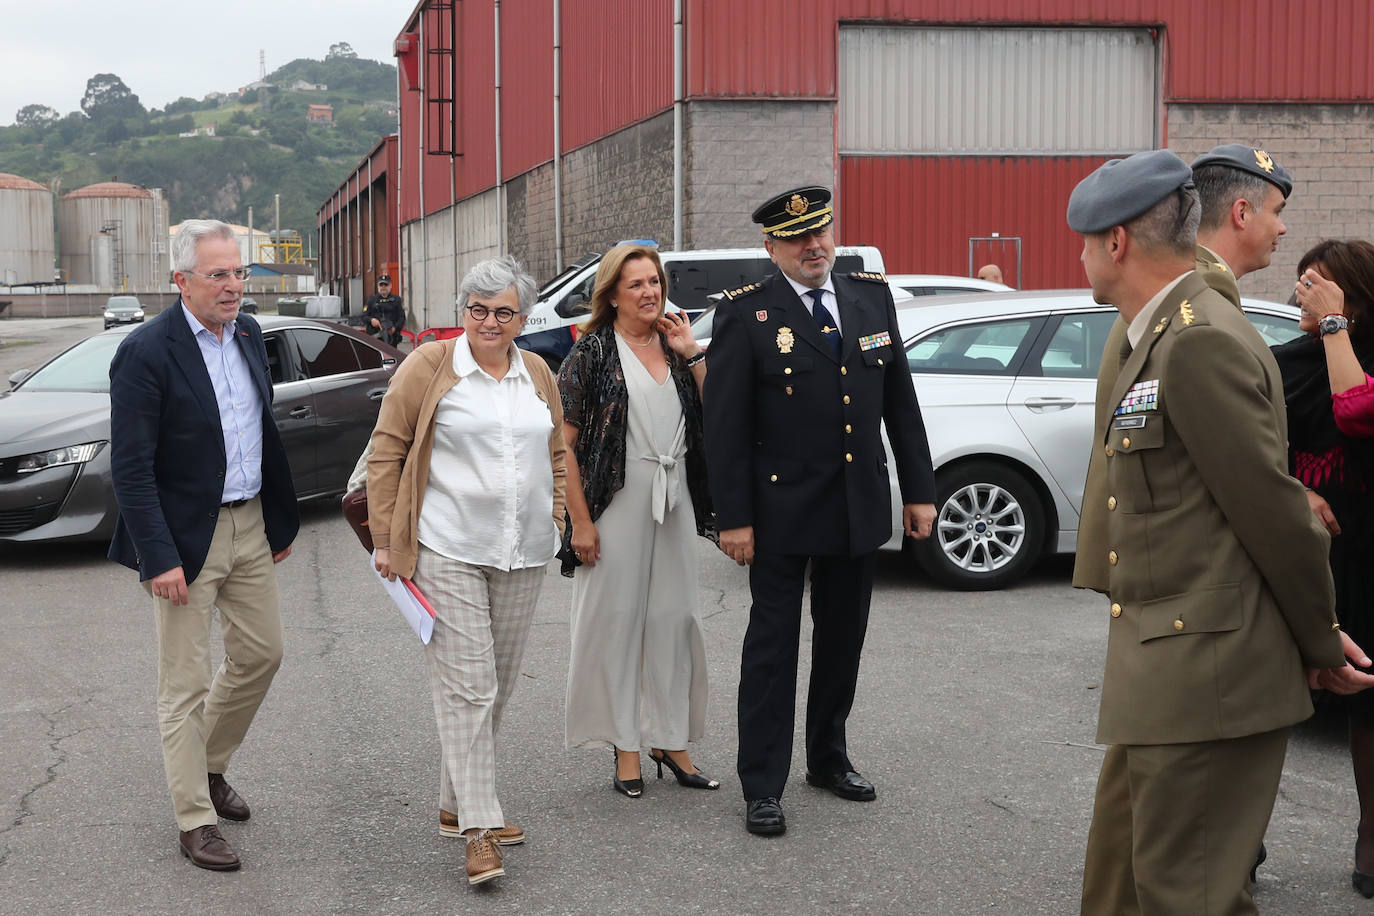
x=975 y=718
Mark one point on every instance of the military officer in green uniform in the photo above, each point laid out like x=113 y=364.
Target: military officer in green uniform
x=1242 y=191
x=1221 y=602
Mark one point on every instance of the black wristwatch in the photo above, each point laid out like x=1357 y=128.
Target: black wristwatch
x=1330 y=324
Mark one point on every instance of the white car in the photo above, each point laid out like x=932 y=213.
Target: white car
x=941 y=284
x=1007 y=384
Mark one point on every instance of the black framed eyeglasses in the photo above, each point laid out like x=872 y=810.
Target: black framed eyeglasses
x=222 y=276
x=503 y=315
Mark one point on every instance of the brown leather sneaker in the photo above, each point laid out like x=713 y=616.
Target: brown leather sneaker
x=484 y=858
x=227 y=802
x=509 y=835
x=207 y=849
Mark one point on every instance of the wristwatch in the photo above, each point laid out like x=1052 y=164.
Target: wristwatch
x=1330 y=324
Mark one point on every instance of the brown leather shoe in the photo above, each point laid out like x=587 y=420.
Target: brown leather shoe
x=227 y=802
x=509 y=835
x=207 y=849
x=484 y=858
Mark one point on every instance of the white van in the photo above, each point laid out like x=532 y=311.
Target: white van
x=694 y=277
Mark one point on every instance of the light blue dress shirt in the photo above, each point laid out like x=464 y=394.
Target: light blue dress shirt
x=240 y=407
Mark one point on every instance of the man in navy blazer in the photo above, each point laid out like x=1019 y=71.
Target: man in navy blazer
x=805 y=368
x=206 y=508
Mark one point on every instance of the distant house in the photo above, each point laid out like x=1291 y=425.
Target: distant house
x=322 y=113
x=207 y=131
x=256 y=84
x=302 y=86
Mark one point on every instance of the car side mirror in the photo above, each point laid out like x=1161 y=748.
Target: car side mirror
x=573 y=305
x=19 y=376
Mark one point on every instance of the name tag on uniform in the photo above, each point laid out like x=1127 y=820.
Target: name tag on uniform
x=874 y=341
x=1136 y=422
x=1142 y=396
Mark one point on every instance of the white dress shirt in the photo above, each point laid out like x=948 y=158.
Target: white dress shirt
x=489 y=498
x=240 y=407
x=1135 y=331
x=827 y=299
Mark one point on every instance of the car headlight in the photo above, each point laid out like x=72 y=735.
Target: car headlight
x=109 y=314
x=71 y=454
x=138 y=313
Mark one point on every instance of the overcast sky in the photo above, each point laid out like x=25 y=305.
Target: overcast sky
x=163 y=50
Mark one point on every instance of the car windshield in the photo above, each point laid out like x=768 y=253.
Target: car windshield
x=85 y=367
x=122 y=302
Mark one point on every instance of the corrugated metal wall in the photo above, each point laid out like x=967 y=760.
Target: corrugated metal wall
x=921 y=211
x=1277 y=50
x=617 y=65
x=526 y=85
x=995 y=91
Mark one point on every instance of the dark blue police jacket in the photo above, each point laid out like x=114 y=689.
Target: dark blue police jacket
x=167 y=448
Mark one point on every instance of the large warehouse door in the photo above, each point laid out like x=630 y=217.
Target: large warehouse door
x=947 y=134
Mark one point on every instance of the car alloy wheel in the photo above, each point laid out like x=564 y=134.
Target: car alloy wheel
x=989 y=527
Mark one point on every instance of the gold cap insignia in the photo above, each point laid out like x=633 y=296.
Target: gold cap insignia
x=1185 y=311
x=1263 y=161
x=1159 y=328
x=785 y=340
x=797 y=205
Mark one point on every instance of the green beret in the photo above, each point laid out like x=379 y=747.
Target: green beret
x=1122 y=189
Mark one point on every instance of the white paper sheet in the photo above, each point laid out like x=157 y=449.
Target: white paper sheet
x=414 y=607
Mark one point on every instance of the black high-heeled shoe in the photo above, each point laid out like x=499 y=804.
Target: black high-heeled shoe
x=696 y=780
x=630 y=788
x=1362 y=883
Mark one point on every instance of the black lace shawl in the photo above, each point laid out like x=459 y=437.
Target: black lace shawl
x=597 y=402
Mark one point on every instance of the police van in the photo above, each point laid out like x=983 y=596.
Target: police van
x=695 y=280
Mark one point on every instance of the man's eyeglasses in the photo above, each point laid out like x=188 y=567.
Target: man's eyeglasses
x=222 y=276
x=502 y=315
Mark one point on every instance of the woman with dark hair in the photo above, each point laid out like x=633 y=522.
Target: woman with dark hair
x=637 y=494
x=1329 y=393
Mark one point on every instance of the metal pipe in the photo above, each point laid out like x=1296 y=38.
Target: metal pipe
x=558 y=136
x=500 y=185
x=677 y=124
x=424 y=217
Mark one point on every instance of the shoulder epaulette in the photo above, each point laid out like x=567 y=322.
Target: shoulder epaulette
x=733 y=294
x=1186 y=315
x=865 y=275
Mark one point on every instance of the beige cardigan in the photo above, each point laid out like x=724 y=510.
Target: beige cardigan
x=398 y=468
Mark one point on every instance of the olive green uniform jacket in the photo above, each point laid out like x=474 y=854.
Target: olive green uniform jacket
x=1216 y=567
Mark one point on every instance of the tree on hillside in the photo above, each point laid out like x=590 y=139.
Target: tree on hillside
x=107 y=97
x=341 y=49
x=35 y=116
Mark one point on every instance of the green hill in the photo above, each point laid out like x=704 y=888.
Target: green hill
x=263 y=144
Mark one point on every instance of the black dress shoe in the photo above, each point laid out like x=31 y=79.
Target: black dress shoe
x=764 y=817
x=1259 y=860
x=227 y=802
x=207 y=849
x=848 y=785
x=1362 y=883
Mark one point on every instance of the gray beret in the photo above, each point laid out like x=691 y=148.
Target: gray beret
x=1122 y=189
x=1248 y=159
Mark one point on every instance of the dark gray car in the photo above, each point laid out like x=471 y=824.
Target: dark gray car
x=122 y=310
x=55 y=424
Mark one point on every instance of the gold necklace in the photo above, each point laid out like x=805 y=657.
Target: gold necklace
x=632 y=341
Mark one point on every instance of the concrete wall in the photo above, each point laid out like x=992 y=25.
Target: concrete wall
x=1329 y=149
x=438 y=250
x=740 y=153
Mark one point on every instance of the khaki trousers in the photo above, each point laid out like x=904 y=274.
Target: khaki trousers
x=202 y=718
x=1176 y=827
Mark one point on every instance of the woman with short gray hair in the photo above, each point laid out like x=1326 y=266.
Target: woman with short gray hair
x=465 y=497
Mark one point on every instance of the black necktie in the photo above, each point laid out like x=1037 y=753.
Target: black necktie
x=826 y=321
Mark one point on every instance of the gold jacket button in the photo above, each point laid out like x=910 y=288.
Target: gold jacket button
x=1178 y=624
x=846 y=399
x=1125 y=441
x=774 y=478
x=787 y=371
x=848 y=457
x=1111 y=502
x=1110 y=451
x=1116 y=609
x=844 y=371
x=848 y=428
x=1111 y=557
x=880 y=360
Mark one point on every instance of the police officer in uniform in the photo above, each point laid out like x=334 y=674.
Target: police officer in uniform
x=1221 y=611
x=1242 y=191
x=805 y=367
x=384 y=313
